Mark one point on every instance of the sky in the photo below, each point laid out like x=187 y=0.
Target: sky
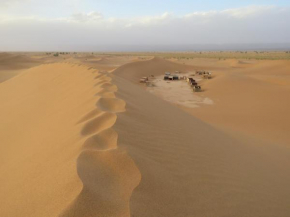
x=101 y=25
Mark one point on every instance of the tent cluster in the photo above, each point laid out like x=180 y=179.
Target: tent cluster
x=170 y=77
x=148 y=81
x=194 y=84
x=205 y=74
x=173 y=77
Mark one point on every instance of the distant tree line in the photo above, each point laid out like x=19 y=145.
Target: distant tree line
x=58 y=53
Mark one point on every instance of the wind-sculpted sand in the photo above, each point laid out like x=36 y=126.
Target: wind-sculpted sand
x=111 y=104
x=53 y=116
x=108 y=174
x=251 y=99
x=13 y=64
x=78 y=140
x=190 y=168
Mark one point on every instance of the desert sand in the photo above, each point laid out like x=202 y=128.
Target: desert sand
x=81 y=137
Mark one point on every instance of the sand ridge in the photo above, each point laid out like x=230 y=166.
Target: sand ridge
x=67 y=118
x=155 y=66
x=76 y=141
x=251 y=100
x=249 y=95
x=190 y=168
x=40 y=139
x=13 y=64
x=108 y=174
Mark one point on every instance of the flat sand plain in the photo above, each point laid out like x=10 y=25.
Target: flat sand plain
x=81 y=137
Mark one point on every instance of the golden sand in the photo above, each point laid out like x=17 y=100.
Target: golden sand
x=81 y=137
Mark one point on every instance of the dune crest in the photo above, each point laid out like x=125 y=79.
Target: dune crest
x=75 y=140
x=40 y=138
x=108 y=174
x=59 y=155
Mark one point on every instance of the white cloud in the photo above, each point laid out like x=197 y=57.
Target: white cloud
x=82 y=17
x=246 y=12
x=239 y=13
x=154 y=19
x=11 y=2
x=254 y=24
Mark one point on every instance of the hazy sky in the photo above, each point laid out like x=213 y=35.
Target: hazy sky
x=100 y=24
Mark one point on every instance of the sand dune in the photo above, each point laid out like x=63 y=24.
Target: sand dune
x=109 y=178
x=189 y=168
x=250 y=100
x=108 y=174
x=248 y=95
x=109 y=63
x=13 y=64
x=16 y=61
x=77 y=140
x=56 y=105
x=40 y=139
x=156 y=66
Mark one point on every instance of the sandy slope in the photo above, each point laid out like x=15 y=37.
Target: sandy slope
x=108 y=63
x=13 y=64
x=76 y=141
x=156 y=66
x=49 y=119
x=251 y=99
x=189 y=168
x=249 y=96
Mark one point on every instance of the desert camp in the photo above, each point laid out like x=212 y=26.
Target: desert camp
x=144 y=108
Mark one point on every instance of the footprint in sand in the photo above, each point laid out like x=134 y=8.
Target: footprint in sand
x=99 y=83
x=105 y=140
x=109 y=178
x=94 y=113
x=109 y=87
x=100 y=123
x=106 y=94
x=108 y=174
x=111 y=104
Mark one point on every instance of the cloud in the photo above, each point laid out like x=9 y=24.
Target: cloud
x=237 y=13
x=6 y=3
x=82 y=17
x=90 y=31
x=247 y=12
